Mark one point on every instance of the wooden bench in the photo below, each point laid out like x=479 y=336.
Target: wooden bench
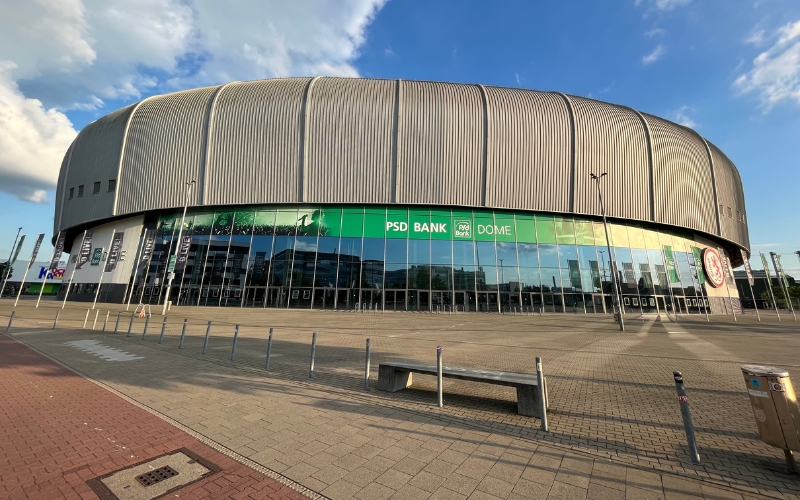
x=395 y=375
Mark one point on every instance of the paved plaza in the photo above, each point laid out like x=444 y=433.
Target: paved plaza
x=615 y=424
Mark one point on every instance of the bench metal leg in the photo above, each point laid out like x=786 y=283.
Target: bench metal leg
x=526 y=401
x=392 y=380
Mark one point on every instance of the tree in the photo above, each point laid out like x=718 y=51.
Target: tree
x=3 y=267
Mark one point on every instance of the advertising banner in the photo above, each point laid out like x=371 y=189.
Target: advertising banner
x=97 y=256
x=183 y=251
x=671 y=269
x=147 y=248
x=766 y=268
x=776 y=263
x=114 y=252
x=85 y=251
x=58 y=251
x=747 y=269
x=19 y=247
x=698 y=265
x=36 y=248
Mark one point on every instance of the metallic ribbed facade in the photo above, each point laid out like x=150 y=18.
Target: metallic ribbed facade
x=337 y=140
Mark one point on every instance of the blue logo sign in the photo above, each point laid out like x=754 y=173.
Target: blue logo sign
x=755 y=382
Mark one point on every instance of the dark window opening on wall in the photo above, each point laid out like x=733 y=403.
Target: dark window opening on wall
x=112 y=185
x=730 y=213
x=80 y=190
x=721 y=209
x=96 y=188
x=71 y=193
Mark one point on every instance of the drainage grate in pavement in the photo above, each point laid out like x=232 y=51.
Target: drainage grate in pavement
x=156 y=476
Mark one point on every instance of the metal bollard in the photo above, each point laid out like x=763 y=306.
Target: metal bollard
x=183 y=333
x=439 y=376
x=105 y=323
x=235 y=338
x=86 y=318
x=683 y=399
x=366 y=370
x=130 y=325
x=11 y=319
x=146 y=323
x=116 y=325
x=55 y=322
x=96 y=314
x=269 y=350
x=208 y=332
x=313 y=353
x=163 y=327
x=542 y=394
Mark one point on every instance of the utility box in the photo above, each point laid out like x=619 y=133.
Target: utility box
x=775 y=407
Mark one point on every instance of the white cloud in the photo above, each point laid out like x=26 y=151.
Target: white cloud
x=681 y=117
x=775 y=74
x=655 y=32
x=32 y=143
x=654 y=56
x=77 y=54
x=756 y=37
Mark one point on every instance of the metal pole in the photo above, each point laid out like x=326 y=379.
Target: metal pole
x=132 y=286
x=366 y=369
x=617 y=295
x=105 y=323
x=439 y=399
x=130 y=325
x=205 y=343
x=768 y=278
x=116 y=325
x=96 y=314
x=10 y=320
x=72 y=275
x=102 y=271
x=146 y=323
x=235 y=338
x=683 y=399
x=44 y=282
x=784 y=288
x=8 y=262
x=269 y=350
x=313 y=354
x=180 y=233
x=86 y=318
x=55 y=322
x=542 y=394
x=163 y=327
x=755 y=302
x=183 y=333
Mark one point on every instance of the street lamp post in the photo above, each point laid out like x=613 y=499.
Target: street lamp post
x=608 y=247
x=8 y=262
x=178 y=246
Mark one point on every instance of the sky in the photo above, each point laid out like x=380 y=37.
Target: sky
x=728 y=69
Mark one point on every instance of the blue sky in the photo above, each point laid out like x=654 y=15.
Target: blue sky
x=731 y=70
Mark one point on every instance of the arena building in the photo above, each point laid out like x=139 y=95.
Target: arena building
x=398 y=195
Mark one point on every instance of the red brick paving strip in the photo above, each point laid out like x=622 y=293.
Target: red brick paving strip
x=58 y=430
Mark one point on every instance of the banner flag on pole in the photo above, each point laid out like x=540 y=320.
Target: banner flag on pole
x=57 y=251
x=84 y=253
x=673 y=273
x=16 y=252
x=147 y=248
x=183 y=251
x=36 y=250
x=113 y=252
x=747 y=269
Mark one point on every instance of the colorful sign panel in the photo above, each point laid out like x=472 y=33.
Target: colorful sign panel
x=713 y=267
x=698 y=265
x=671 y=269
x=97 y=256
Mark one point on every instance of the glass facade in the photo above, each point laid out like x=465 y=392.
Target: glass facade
x=419 y=259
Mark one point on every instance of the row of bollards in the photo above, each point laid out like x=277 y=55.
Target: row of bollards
x=541 y=385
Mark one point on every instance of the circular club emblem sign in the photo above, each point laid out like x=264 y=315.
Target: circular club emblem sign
x=712 y=265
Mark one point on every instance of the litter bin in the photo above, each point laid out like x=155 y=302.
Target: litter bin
x=775 y=408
